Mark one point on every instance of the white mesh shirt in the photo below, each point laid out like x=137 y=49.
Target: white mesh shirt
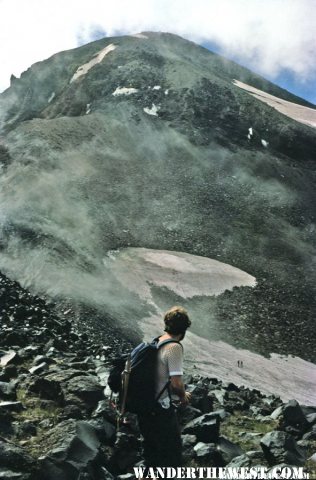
x=170 y=363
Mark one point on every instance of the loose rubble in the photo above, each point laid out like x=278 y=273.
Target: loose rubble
x=56 y=421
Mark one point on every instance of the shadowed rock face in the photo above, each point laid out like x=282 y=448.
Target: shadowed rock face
x=169 y=162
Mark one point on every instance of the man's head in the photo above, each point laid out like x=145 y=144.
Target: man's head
x=177 y=321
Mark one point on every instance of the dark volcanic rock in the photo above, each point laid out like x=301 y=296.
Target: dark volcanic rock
x=281 y=447
x=228 y=450
x=76 y=451
x=47 y=389
x=14 y=457
x=206 y=428
x=7 y=390
x=85 y=387
x=205 y=451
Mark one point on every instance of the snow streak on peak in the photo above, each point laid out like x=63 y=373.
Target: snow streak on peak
x=292 y=110
x=97 y=58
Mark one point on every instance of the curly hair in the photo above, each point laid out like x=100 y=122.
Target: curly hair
x=176 y=320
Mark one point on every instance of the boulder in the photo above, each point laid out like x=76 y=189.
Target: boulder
x=228 y=450
x=47 y=389
x=204 y=451
x=248 y=459
x=125 y=454
x=13 y=457
x=76 y=451
x=10 y=371
x=293 y=416
x=200 y=398
x=205 y=427
x=11 y=407
x=188 y=442
x=220 y=395
x=277 y=413
x=9 y=358
x=188 y=414
x=281 y=447
x=105 y=410
x=311 y=435
x=37 y=369
x=7 y=390
x=85 y=387
x=6 y=474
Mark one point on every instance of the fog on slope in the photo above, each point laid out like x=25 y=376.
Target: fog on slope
x=77 y=188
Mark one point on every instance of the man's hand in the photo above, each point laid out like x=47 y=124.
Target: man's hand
x=185 y=400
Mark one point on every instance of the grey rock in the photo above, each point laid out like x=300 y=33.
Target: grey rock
x=311 y=435
x=188 y=414
x=14 y=457
x=105 y=410
x=204 y=451
x=37 y=369
x=248 y=459
x=188 y=440
x=205 y=427
x=76 y=450
x=11 y=407
x=220 y=395
x=11 y=475
x=251 y=436
x=277 y=413
x=10 y=371
x=294 y=416
x=7 y=390
x=200 y=398
x=9 y=358
x=126 y=452
x=48 y=389
x=86 y=387
x=280 y=447
x=228 y=450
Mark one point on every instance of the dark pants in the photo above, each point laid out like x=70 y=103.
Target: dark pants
x=162 y=439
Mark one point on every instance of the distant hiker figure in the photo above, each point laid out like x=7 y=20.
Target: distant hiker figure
x=160 y=429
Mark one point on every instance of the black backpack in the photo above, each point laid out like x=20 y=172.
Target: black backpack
x=141 y=396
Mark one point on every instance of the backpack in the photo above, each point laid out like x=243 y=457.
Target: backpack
x=141 y=397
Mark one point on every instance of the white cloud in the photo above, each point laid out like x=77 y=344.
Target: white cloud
x=270 y=35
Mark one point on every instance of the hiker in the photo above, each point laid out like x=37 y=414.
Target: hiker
x=159 y=428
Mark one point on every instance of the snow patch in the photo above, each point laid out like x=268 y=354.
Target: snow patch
x=97 y=58
x=124 y=91
x=88 y=108
x=264 y=143
x=299 y=113
x=167 y=91
x=184 y=274
x=153 y=110
x=51 y=98
x=157 y=87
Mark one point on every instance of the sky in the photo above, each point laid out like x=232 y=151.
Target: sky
x=275 y=38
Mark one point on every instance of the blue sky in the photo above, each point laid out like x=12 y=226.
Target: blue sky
x=275 y=38
x=286 y=78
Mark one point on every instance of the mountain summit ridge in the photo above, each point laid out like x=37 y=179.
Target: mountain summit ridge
x=154 y=147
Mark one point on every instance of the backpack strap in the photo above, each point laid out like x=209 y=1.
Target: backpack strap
x=165 y=342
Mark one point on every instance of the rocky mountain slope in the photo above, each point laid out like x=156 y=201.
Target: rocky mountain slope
x=147 y=141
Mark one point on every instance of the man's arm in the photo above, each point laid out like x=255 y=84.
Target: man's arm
x=175 y=366
x=177 y=387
